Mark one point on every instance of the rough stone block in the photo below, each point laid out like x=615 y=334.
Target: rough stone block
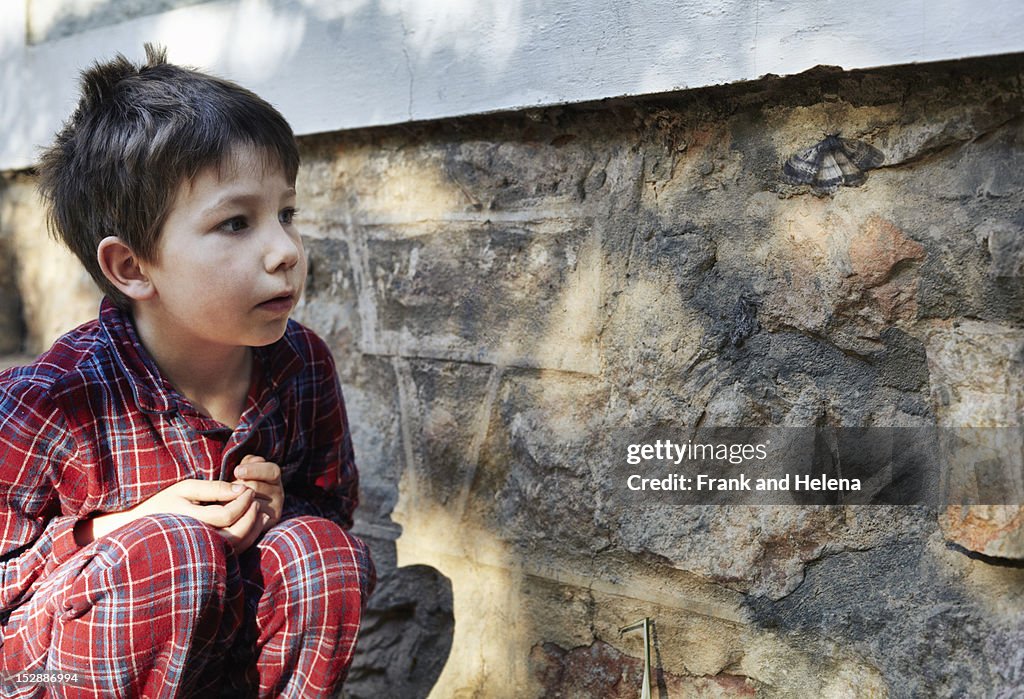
x=407 y=634
x=375 y=418
x=991 y=530
x=330 y=303
x=600 y=670
x=444 y=410
x=56 y=292
x=549 y=171
x=546 y=439
x=976 y=374
x=501 y=294
x=1005 y=243
x=12 y=330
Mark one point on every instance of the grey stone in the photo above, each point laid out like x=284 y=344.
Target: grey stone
x=1005 y=242
x=407 y=632
x=873 y=596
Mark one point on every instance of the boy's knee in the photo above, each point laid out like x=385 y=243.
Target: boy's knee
x=174 y=547
x=180 y=538
x=159 y=564
x=317 y=546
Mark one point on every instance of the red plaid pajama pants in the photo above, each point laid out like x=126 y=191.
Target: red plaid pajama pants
x=161 y=608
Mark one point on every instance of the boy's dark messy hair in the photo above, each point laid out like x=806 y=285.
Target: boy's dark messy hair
x=138 y=133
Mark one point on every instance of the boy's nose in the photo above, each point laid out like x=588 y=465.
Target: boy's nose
x=283 y=250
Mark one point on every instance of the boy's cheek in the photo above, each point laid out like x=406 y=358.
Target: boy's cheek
x=303 y=272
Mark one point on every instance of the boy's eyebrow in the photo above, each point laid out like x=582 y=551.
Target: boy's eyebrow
x=242 y=198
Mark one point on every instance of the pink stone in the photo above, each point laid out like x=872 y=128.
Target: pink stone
x=991 y=530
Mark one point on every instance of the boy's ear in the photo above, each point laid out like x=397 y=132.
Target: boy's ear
x=122 y=267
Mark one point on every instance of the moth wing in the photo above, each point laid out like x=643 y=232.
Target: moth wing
x=830 y=175
x=803 y=167
x=861 y=154
x=851 y=174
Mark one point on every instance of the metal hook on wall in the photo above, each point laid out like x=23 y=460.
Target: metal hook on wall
x=645 y=623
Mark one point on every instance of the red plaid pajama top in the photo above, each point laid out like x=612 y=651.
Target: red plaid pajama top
x=92 y=427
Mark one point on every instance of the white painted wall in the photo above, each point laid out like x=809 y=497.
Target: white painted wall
x=339 y=64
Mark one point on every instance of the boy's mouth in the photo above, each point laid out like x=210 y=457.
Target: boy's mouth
x=280 y=303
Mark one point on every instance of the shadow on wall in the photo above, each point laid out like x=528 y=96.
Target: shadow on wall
x=405 y=636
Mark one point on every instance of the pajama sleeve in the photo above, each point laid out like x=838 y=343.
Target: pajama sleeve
x=35 y=444
x=328 y=481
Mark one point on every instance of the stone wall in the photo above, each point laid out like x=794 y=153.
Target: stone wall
x=513 y=297
x=44 y=290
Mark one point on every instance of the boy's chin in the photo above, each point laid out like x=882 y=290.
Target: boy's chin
x=270 y=336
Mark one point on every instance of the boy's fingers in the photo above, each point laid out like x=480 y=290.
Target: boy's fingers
x=198 y=490
x=264 y=491
x=244 y=524
x=244 y=531
x=258 y=471
x=225 y=515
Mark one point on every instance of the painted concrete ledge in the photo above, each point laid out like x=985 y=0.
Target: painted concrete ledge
x=342 y=64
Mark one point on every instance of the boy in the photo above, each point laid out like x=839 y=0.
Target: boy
x=176 y=477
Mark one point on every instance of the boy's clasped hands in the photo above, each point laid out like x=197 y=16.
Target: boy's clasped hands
x=240 y=511
x=263 y=479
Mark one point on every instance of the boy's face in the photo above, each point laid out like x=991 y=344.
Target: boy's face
x=230 y=265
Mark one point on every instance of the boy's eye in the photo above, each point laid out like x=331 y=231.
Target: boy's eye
x=287 y=215
x=234 y=224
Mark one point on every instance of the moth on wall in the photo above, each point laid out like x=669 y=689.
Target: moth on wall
x=832 y=162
